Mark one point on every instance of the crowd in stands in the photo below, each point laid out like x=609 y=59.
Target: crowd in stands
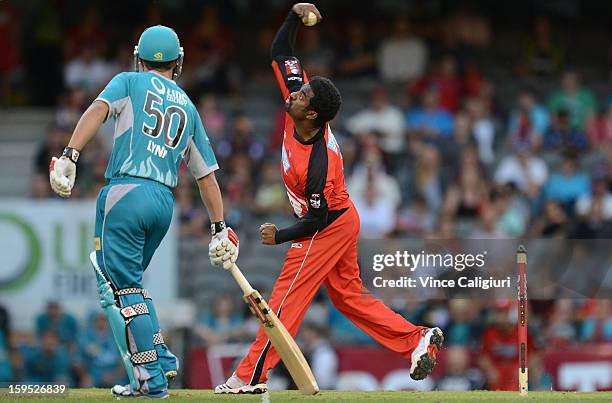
x=480 y=340
x=434 y=150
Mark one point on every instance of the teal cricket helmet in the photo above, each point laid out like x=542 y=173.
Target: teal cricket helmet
x=159 y=44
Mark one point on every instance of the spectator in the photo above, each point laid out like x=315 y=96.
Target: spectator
x=9 y=38
x=528 y=122
x=459 y=375
x=594 y=212
x=561 y=330
x=543 y=57
x=483 y=128
x=317 y=57
x=321 y=356
x=191 y=218
x=526 y=171
x=553 y=223
x=579 y=101
x=371 y=173
x=376 y=212
x=403 y=56
x=356 y=57
x=562 y=137
x=210 y=46
x=57 y=321
x=223 y=324
x=6 y=365
x=212 y=118
x=416 y=219
x=597 y=327
x=100 y=356
x=567 y=184
x=539 y=378
x=499 y=352
x=54 y=141
x=242 y=141
x=49 y=361
x=271 y=196
x=40 y=187
x=468 y=192
x=599 y=129
x=88 y=71
x=446 y=78
x=87 y=32
x=430 y=119
x=72 y=105
x=427 y=181
x=382 y=117
x=463 y=327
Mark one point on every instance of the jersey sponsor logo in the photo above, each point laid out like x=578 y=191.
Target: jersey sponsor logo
x=292 y=67
x=296 y=245
x=158 y=85
x=176 y=96
x=315 y=200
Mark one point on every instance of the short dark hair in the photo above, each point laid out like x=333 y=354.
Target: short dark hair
x=326 y=100
x=160 y=66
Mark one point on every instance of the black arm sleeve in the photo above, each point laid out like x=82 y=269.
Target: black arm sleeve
x=316 y=217
x=284 y=41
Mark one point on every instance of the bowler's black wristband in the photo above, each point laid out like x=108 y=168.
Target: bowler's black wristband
x=217 y=227
x=72 y=154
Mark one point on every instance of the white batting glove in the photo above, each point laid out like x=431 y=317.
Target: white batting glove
x=223 y=248
x=62 y=173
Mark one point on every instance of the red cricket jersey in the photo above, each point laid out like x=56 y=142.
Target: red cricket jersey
x=312 y=170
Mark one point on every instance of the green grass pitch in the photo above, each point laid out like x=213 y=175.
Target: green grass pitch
x=183 y=395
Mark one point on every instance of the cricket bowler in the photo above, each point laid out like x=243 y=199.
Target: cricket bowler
x=156 y=127
x=324 y=239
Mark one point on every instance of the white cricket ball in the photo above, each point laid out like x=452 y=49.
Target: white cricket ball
x=311 y=19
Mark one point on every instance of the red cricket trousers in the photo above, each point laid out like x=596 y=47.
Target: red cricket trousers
x=328 y=257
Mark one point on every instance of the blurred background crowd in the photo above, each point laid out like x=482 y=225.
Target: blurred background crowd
x=460 y=120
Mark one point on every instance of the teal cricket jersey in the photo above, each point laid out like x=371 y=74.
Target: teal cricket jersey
x=156 y=126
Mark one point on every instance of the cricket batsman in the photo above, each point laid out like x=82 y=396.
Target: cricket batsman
x=324 y=239
x=156 y=127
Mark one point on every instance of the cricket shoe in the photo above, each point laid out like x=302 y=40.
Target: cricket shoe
x=424 y=355
x=170 y=375
x=120 y=391
x=237 y=386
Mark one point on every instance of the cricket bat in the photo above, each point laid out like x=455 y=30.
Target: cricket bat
x=280 y=338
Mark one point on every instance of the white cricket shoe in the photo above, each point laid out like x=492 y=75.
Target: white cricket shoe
x=424 y=355
x=120 y=391
x=237 y=386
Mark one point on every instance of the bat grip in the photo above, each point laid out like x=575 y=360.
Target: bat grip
x=241 y=280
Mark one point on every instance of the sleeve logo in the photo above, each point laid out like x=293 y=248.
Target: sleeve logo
x=292 y=67
x=315 y=200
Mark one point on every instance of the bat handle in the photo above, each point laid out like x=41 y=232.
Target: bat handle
x=241 y=280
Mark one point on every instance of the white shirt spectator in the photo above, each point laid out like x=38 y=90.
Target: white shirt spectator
x=384 y=185
x=90 y=75
x=584 y=205
x=484 y=133
x=388 y=120
x=402 y=59
x=377 y=216
x=324 y=362
x=511 y=170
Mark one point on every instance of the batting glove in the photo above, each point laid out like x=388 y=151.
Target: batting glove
x=223 y=248
x=62 y=173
